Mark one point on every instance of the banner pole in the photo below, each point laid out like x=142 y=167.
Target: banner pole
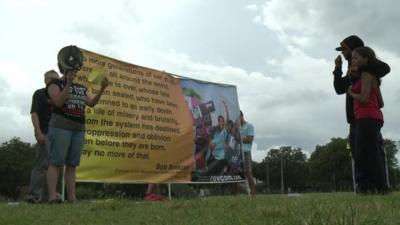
x=169 y=191
x=63 y=185
x=248 y=187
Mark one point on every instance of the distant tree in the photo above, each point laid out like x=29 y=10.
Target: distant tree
x=392 y=162
x=330 y=167
x=294 y=168
x=16 y=158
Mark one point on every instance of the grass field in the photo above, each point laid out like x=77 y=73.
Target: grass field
x=325 y=208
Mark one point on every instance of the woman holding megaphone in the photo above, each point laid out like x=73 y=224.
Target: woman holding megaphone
x=67 y=123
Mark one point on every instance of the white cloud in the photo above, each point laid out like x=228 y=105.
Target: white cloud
x=287 y=109
x=316 y=27
x=279 y=54
x=312 y=23
x=16 y=124
x=252 y=7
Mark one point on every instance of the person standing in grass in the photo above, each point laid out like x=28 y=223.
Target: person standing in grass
x=368 y=100
x=247 y=135
x=342 y=83
x=67 y=123
x=41 y=110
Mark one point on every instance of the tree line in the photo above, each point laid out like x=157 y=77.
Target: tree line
x=328 y=168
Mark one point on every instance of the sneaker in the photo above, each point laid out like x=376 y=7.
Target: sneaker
x=57 y=200
x=153 y=197
x=32 y=200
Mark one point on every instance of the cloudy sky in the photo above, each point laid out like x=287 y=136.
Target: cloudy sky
x=278 y=53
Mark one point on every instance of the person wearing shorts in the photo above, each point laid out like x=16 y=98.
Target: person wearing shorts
x=247 y=135
x=67 y=123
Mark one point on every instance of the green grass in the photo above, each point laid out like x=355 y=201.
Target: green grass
x=329 y=209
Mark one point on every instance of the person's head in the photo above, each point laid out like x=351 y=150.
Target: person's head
x=70 y=73
x=50 y=75
x=221 y=122
x=348 y=45
x=230 y=125
x=362 y=57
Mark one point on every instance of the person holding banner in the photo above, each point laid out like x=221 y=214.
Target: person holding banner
x=40 y=114
x=67 y=123
x=247 y=134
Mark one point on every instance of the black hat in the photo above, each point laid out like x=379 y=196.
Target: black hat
x=352 y=41
x=70 y=58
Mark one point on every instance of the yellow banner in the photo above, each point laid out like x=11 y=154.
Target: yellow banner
x=141 y=129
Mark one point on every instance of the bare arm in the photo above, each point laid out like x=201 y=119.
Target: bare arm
x=248 y=139
x=58 y=96
x=40 y=138
x=212 y=146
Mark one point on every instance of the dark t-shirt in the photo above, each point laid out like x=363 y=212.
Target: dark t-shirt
x=74 y=105
x=41 y=105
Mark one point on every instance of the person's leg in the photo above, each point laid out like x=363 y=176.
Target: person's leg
x=38 y=185
x=252 y=184
x=52 y=178
x=235 y=188
x=375 y=164
x=248 y=173
x=59 y=143
x=73 y=159
x=220 y=166
x=363 y=184
x=368 y=156
x=212 y=167
x=352 y=143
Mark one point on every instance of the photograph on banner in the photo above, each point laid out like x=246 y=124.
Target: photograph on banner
x=140 y=131
x=215 y=117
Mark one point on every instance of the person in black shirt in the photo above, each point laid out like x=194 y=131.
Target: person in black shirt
x=41 y=110
x=342 y=83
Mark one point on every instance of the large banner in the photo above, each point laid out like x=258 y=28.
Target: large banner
x=150 y=127
x=141 y=129
x=215 y=117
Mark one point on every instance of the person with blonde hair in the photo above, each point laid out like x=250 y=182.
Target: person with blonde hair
x=41 y=110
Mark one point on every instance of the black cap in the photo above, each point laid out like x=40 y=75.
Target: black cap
x=352 y=41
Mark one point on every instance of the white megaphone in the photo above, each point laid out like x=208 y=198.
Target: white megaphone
x=69 y=58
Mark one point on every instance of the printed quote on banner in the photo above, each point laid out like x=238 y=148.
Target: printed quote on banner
x=141 y=129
